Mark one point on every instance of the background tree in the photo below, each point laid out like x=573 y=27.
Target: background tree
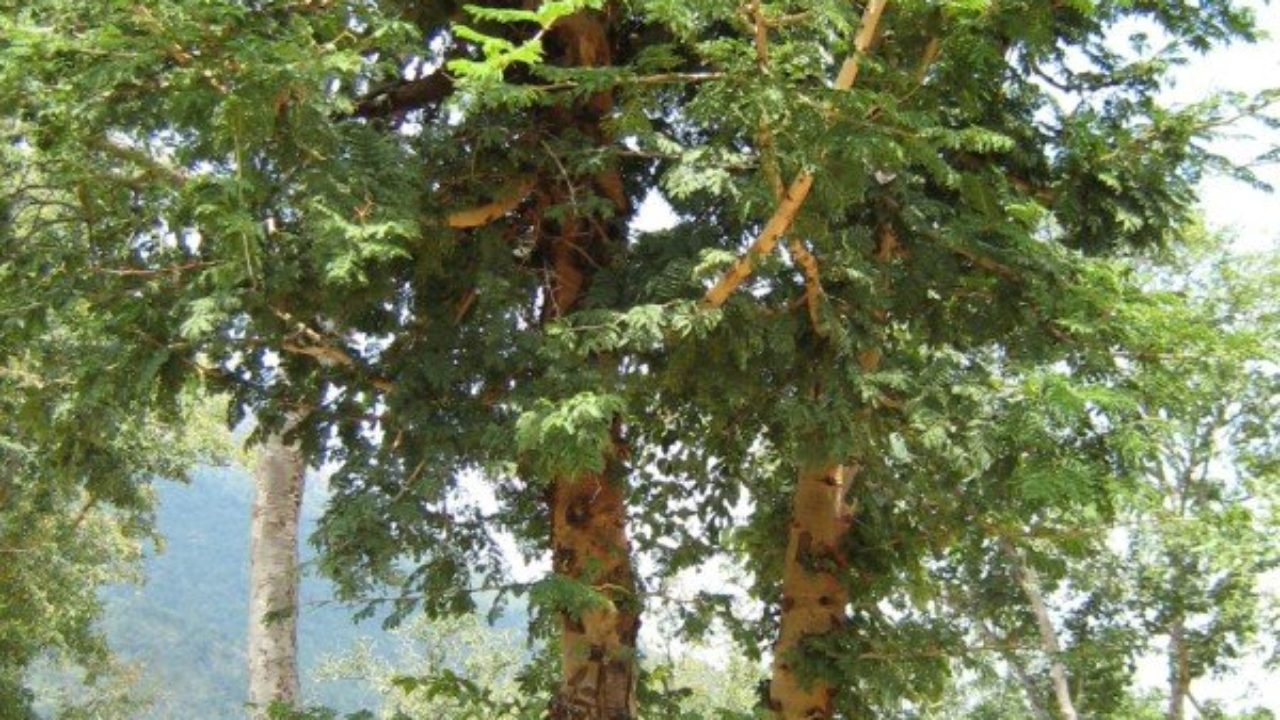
x=279 y=480
x=1176 y=486
x=80 y=457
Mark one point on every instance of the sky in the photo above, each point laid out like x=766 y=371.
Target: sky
x=1252 y=215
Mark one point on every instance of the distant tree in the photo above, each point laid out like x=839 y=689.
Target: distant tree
x=1145 y=507
x=1204 y=521
x=279 y=478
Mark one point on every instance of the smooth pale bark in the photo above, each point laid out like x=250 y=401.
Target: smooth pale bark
x=598 y=648
x=813 y=598
x=1029 y=579
x=273 y=576
x=1179 y=670
x=1029 y=689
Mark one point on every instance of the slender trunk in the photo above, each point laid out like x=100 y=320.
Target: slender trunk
x=1179 y=669
x=1029 y=689
x=1029 y=579
x=813 y=598
x=598 y=647
x=1185 y=500
x=273 y=576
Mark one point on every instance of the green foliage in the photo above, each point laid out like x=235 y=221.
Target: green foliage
x=262 y=199
x=77 y=503
x=568 y=438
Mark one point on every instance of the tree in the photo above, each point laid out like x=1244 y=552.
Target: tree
x=416 y=222
x=279 y=479
x=1205 y=515
x=81 y=455
x=1175 y=539
x=76 y=508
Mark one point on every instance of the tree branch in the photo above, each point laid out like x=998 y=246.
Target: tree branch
x=405 y=96
x=812 y=278
x=798 y=191
x=475 y=217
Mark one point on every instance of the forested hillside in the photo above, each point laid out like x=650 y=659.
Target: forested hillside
x=185 y=625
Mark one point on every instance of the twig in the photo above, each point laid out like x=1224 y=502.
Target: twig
x=152 y=272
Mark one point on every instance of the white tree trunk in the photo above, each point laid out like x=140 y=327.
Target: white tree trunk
x=273 y=576
x=1030 y=581
x=1179 y=669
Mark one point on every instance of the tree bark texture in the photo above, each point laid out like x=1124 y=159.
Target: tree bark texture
x=598 y=648
x=813 y=598
x=273 y=576
x=588 y=512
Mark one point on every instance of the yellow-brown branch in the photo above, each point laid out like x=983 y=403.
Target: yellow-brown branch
x=812 y=278
x=793 y=199
x=509 y=200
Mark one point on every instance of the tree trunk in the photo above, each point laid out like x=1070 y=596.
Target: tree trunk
x=1029 y=690
x=1030 y=581
x=598 y=648
x=273 y=576
x=1179 y=669
x=813 y=598
x=588 y=512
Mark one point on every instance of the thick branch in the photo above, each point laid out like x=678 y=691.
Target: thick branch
x=799 y=189
x=405 y=96
x=509 y=200
x=330 y=355
x=812 y=277
x=137 y=156
x=321 y=348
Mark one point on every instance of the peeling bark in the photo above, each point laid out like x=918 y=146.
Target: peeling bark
x=589 y=544
x=813 y=598
x=273 y=576
x=588 y=512
x=598 y=648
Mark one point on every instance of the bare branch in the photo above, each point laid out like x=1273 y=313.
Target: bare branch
x=484 y=214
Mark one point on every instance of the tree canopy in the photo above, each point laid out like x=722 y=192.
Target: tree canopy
x=893 y=337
